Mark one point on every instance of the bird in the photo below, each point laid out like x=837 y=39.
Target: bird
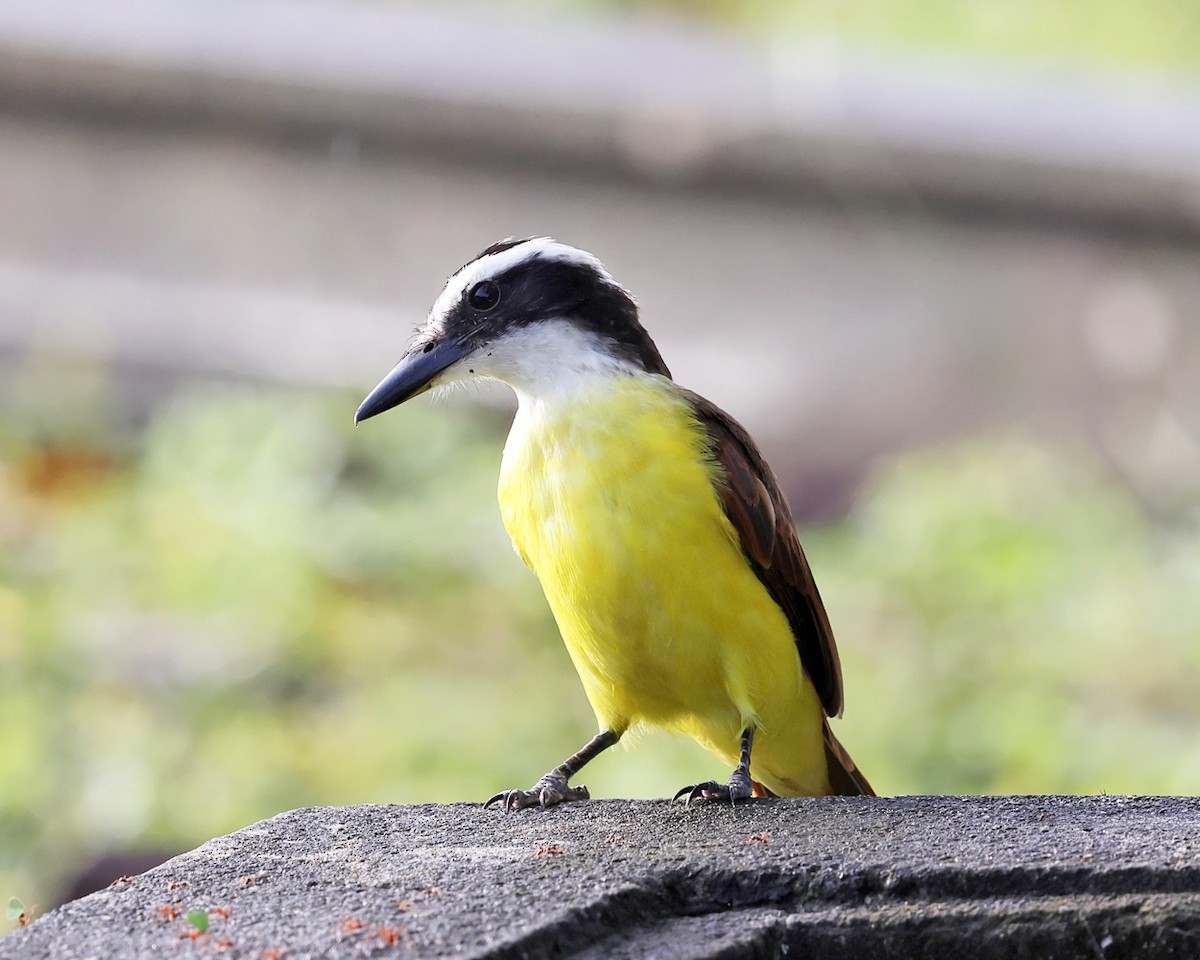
x=663 y=542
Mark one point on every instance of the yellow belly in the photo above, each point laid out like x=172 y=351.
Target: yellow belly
x=608 y=496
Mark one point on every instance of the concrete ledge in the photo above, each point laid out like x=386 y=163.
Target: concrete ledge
x=973 y=877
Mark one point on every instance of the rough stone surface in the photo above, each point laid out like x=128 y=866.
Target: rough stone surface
x=973 y=877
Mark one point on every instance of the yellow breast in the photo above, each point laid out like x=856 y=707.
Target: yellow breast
x=608 y=495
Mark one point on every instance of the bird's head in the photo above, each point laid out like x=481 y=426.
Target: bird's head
x=536 y=314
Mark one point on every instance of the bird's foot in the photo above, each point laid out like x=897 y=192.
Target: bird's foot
x=551 y=789
x=738 y=788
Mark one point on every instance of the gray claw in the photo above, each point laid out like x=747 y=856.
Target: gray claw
x=547 y=792
x=738 y=788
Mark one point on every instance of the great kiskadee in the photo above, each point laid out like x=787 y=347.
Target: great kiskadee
x=661 y=538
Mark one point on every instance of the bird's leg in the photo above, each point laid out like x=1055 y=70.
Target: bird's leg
x=739 y=787
x=553 y=787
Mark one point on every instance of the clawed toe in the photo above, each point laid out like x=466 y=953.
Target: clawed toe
x=545 y=793
x=730 y=792
x=506 y=800
x=712 y=790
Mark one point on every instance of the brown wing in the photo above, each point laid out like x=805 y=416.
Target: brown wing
x=758 y=511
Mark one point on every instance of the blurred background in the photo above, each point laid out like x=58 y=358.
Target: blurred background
x=939 y=256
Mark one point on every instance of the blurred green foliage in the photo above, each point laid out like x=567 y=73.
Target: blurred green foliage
x=1013 y=623
x=244 y=605
x=1153 y=35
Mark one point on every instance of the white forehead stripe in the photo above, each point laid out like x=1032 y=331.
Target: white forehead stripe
x=494 y=264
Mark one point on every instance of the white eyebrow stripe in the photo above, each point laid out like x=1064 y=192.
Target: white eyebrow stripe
x=494 y=264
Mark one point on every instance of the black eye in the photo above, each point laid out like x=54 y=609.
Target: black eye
x=484 y=295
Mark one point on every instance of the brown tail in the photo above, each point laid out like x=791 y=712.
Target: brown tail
x=845 y=779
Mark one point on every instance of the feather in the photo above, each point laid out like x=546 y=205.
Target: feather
x=756 y=507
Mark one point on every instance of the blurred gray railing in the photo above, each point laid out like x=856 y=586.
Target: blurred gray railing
x=642 y=100
x=148 y=217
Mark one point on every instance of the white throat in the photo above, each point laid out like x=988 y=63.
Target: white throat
x=543 y=361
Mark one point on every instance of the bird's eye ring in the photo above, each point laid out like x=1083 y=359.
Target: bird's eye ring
x=484 y=295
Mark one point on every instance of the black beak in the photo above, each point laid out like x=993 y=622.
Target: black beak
x=411 y=376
